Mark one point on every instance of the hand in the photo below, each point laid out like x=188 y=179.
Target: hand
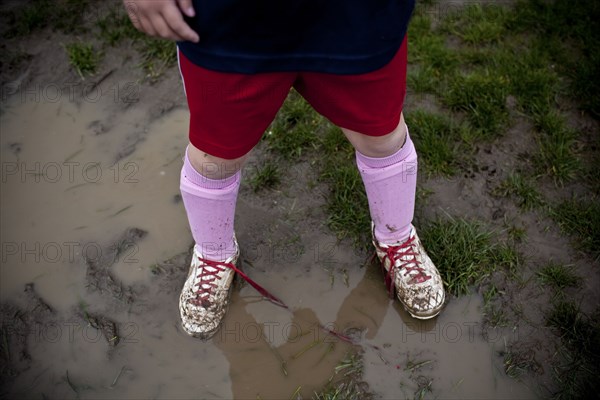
x=162 y=18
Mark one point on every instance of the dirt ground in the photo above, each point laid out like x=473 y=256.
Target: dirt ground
x=95 y=249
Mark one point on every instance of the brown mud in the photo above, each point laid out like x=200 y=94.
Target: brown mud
x=108 y=324
x=95 y=249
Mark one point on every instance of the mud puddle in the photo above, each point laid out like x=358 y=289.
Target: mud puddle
x=91 y=217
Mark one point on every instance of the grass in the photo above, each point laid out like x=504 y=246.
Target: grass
x=438 y=140
x=579 y=359
x=157 y=56
x=519 y=362
x=292 y=132
x=516 y=234
x=65 y=15
x=575 y=26
x=428 y=48
x=477 y=24
x=267 y=176
x=347 y=205
x=424 y=385
x=83 y=57
x=464 y=252
x=116 y=26
x=494 y=315
x=485 y=66
x=482 y=96
x=506 y=256
x=558 y=276
x=348 y=384
x=422 y=79
x=580 y=218
x=520 y=188
x=557 y=156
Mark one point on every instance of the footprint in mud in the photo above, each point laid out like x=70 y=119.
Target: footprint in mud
x=16 y=324
x=99 y=276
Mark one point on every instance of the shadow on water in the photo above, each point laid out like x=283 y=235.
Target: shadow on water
x=66 y=199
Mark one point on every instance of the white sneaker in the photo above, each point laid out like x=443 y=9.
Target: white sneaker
x=205 y=295
x=412 y=274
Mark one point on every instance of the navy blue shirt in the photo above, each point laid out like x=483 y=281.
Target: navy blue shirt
x=334 y=36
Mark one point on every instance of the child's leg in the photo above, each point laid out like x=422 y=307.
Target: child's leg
x=388 y=166
x=209 y=187
x=228 y=115
x=390 y=181
x=368 y=107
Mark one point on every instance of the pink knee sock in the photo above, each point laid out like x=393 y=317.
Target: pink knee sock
x=391 y=183
x=210 y=207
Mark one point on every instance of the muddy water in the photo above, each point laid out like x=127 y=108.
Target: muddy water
x=65 y=197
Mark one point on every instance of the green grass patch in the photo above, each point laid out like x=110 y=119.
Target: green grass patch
x=267 y=176
x=63 y=15
x=557 y=155
x=477 y=23
x=83 y=57
x=482 y=96
x=68 y=15
x=294 y=129
x=437 y=139
x=516 y=234
x=520 y=188
x=580 y=218
x=519 y=362
x=29 y=18
x=558 y=276
x=347 y=203
x=116 y=27
x=578 y=367
x=432 y=52
x=506 y=256
x=464 y=252
x=157 y=56
x=576 y=25
x=494 y=314
x=334 y=144
x=422 y=79
x=533 y=78
x=429 y=48
x=347 y=382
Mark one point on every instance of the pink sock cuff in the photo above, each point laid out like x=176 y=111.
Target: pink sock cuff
x=197 y=178
x=372 y=162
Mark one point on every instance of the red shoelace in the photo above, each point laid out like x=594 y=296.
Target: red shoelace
x=209 y=277
x=394 y=253
x=202 y=299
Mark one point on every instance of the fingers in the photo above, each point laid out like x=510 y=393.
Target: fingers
x=145 y=26
x=187 y=7
x=178 y=27
x=162 y=19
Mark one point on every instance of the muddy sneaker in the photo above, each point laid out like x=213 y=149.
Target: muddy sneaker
x=415 y=279
x=205 y=295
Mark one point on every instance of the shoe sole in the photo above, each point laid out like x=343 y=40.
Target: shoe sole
x=429 y=315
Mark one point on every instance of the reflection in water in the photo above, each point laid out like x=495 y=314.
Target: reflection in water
x=64 y=196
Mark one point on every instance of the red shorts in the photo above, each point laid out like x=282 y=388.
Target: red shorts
x=229 y=112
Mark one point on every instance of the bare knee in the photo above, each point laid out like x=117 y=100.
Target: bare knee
x=214 y=167
x=378 y=146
